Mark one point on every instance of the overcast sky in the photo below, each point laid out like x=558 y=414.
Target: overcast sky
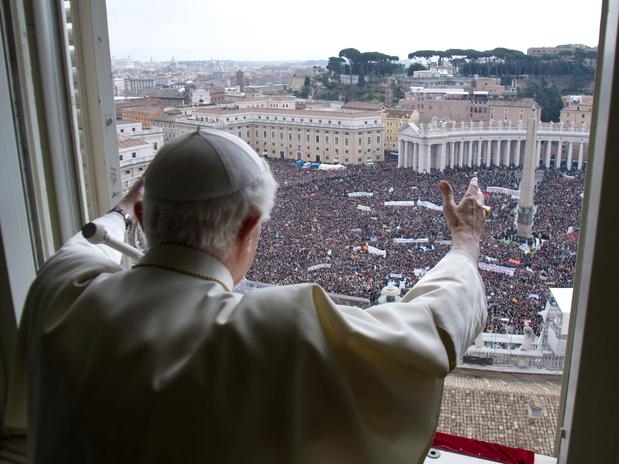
x=263 y=30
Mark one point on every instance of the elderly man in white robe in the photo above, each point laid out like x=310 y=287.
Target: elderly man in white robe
x=165 y=362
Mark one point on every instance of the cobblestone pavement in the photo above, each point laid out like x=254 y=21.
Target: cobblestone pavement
x=497 y=407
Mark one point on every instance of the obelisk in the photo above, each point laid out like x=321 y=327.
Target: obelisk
x=527 y=182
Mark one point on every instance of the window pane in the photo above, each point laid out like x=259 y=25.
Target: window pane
x=501 y=392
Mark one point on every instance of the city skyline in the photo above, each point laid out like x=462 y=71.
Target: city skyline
x=273 y=31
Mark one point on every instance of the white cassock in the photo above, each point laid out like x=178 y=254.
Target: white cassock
x=162 y=363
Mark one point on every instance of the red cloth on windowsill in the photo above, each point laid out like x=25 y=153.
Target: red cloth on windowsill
x=482 y=449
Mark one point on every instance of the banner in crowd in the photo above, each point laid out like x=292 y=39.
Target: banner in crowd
x=331 y=167
x=371 y=250
x=504 y=191
x=375 y=251
x=496 y=268
x=399 y=203
x=420 y=271
x=364 y=208
x=429 y=205
x=360 y=194
x=317 y=267
x=410 y=240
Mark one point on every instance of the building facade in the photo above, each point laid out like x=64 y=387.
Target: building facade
x=577 y=109
x=325 y=136
x=541 y=51
x=136 y=149
x=136 y=87
x=511 y=110
x=134 y=155
x=438 y=146
x=143 y=114
x=394 y=120
x=460 y=105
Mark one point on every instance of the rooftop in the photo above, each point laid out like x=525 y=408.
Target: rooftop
x=496 y=407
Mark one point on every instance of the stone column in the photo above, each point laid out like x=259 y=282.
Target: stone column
x=477 y=153
x=442 y=156
x=428 y=158
x=497 y=154
x=527 y=183
x=489 y=153
x=581 y=152
x=408 y=160
x=452 y=154
x=423 y=157
x=547 y=157
x=507 y=152
x=517 y=157
x=569 y=156
x=418 y=166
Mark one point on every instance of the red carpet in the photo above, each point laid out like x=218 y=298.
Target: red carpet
x=482 y=449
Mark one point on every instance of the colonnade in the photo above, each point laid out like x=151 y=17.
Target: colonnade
x=437 y=148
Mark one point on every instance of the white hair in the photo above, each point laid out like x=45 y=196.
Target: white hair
x=207 y=225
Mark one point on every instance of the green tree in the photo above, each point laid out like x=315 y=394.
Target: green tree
x=548 y=96
x=306 y=87
x=398 y=94
x=579 y=65
x=354 y=56
x=336 y=65
x=415 y=67
x=378 y=65
x=354 y=63
x=427 y=54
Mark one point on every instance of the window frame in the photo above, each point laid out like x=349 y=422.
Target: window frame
x=587 y=432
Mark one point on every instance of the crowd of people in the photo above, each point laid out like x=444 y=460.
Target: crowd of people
x=339 y=229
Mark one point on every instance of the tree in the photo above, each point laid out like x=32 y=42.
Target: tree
x=415 y=67
x=306 y=87
x=398 y=93
x=579 y=64
x=548 y=96
x=427 y=54
x=378 y=64
x=336 y=65
x=354 y=56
